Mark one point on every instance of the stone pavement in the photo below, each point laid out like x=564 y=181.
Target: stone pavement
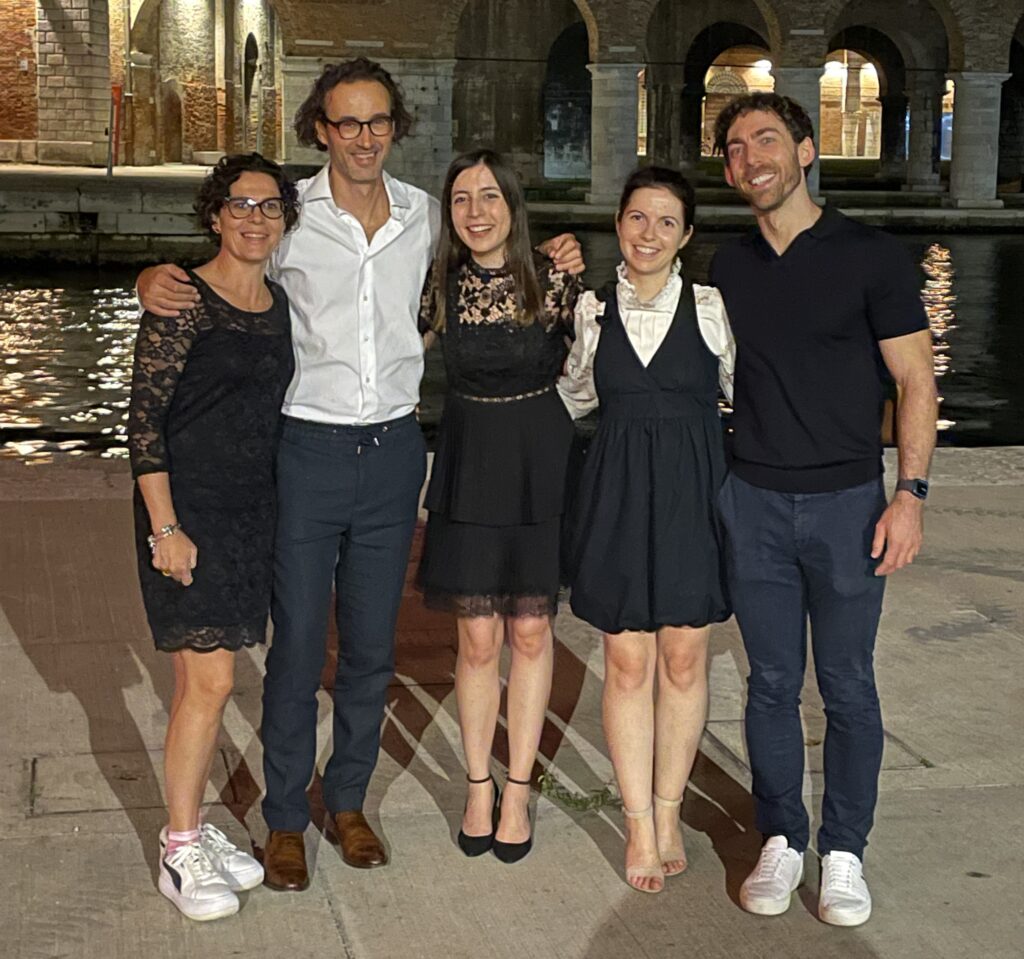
x=83 y=701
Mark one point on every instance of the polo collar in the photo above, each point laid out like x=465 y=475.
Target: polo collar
x=828 y=223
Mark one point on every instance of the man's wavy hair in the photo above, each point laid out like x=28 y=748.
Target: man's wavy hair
x=794 y=116
x=349 y=71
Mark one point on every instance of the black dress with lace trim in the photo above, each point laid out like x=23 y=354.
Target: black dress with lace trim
x=497 y=486
x=207 y=388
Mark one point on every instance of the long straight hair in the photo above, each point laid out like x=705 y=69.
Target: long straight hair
x=452 y=253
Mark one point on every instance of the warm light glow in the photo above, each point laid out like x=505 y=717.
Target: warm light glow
x=765 y=65
x=833 y=67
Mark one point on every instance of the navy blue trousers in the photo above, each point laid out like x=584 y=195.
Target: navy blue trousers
x=794 y=557
x=347 y=500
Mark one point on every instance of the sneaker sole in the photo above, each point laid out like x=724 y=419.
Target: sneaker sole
x=213 y=909
x=767 y=907
x=845 y=918
x=238 y=885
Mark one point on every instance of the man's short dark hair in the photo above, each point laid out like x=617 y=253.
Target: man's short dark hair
x=216 y=188
x=794 y=116
x=348 y=71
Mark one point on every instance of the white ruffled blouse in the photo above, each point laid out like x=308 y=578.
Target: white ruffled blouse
x=646 y=325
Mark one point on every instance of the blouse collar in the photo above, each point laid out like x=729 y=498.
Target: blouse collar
x=665 y=299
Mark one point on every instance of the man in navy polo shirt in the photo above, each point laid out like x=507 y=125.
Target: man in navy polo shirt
x=818 y=303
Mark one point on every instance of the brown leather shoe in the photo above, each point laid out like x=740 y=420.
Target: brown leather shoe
x=284 y=862
x=360 y=846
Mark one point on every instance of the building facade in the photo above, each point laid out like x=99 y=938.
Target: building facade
x=557 y=85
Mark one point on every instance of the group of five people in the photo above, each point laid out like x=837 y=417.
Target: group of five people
x=326 y=314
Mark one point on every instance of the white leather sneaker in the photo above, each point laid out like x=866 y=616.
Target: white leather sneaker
x=238 y=869
x=188 y=879
x=779 y=871
x=844 y=899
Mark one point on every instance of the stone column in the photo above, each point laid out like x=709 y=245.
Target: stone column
x=613 y=126
x=803 y=84
x=663 y=89
x=925 y=89
x=975 y=161
x=893 y=153
x=690 y=132
x=74 y=81
x=852 y=112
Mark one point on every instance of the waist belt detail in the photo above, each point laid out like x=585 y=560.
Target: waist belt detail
x=503 y=399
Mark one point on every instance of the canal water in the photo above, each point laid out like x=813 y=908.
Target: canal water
x=66 y=340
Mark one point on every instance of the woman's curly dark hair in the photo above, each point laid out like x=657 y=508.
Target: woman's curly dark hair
x=216 y=188
x=349 y=71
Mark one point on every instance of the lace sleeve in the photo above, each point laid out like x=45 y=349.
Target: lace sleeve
x=426 y=314
x=576 y=386
x=561 y=290
x=161 y=350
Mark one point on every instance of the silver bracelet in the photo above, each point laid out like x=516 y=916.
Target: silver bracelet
x=169 y=530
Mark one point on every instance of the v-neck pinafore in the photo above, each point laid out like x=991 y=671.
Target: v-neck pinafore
x=643 y=544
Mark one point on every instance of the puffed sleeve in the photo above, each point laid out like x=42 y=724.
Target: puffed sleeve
x=161 y=351
x=576 y=385
x=714 y=327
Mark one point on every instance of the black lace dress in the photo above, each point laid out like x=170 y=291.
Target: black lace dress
x=207 y=388
x=497 y=486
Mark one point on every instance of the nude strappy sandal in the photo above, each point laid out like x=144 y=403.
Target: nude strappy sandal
x=675 y=852
x=644 y=872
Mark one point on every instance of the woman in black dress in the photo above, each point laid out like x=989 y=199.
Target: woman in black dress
x=206 y=398
x=495 y=499
x=643 y=541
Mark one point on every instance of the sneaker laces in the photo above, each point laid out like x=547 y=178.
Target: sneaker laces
x=769 y=863
x=193 y=859
x=842 y=874
x=212 y=837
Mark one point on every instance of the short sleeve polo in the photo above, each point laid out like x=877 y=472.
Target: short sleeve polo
x=808 y=385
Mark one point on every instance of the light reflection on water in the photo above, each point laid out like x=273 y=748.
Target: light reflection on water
x=66 y=346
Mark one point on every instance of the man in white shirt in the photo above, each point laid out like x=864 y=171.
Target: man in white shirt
x=352 y=457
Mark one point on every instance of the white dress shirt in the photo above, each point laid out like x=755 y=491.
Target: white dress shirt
x=354 y=304
x=646 y=324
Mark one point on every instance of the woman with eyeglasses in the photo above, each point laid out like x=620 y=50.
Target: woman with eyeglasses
x=207 y=388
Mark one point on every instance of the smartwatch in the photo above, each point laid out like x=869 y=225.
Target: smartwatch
x=916 y=487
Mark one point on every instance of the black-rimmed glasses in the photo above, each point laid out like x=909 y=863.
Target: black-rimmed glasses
x=349 y=128
x=273 y=207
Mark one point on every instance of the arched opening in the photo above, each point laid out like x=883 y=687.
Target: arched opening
x=736 y=71
x=1011 y=120
x=567 y=97
x=250 y=104
x=851 y=108
x=501 y=67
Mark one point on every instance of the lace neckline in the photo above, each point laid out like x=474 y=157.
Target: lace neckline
x=662 y=302
x=487 y=272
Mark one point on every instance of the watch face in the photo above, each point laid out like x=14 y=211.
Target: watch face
x=921 y=488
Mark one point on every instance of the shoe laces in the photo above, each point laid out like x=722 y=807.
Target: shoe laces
x=842 y=873
x=194 y=860
x=769 y=863
x=215 y=840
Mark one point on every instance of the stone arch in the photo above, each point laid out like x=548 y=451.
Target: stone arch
x=926 y=32
x=453 y=12
x=1011 y=118
x=501 y=63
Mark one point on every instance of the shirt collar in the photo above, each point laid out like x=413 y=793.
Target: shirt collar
x=830 y=222
x=398 y=193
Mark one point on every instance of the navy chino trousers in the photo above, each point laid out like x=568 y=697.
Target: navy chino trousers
x=793 y=558
x=347 y=504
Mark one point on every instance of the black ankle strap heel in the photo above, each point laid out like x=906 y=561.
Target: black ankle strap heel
x=510 y=852
x=477 y=845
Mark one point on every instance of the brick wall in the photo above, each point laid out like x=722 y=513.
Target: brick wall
x=18 y=114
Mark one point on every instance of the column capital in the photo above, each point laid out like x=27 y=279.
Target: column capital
x=979 y=78
x=601 y=70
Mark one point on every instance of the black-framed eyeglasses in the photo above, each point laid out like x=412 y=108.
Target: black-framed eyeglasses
x=349 y=128
x=273 y=207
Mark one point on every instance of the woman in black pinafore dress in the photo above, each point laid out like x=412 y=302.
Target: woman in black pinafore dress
x=643 y=543
x=496 y=494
